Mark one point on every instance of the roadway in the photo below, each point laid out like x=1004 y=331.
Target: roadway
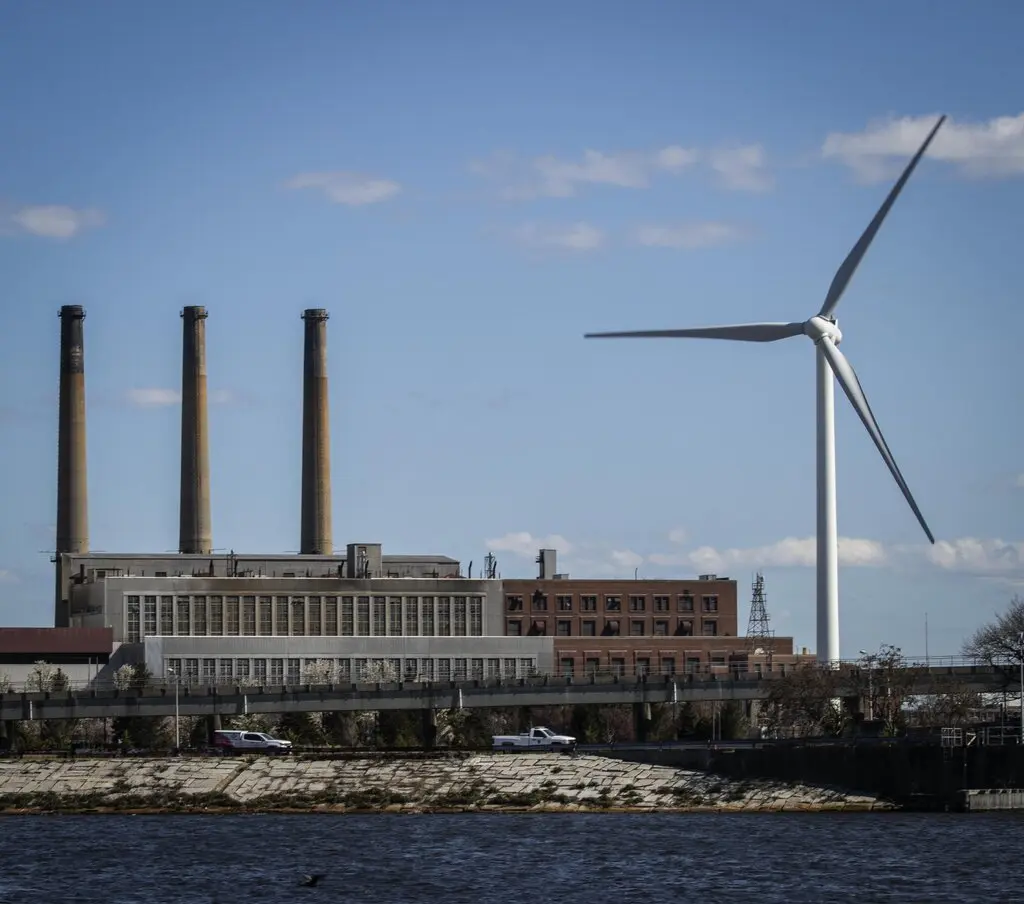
x=162 y=700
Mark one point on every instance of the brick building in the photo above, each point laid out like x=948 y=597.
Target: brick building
x=654 y=626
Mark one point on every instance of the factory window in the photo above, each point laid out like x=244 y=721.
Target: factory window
x=710 y=627
x=281 y=618
x=347 y=603
x=294 y=672
x=395 y=616
x=231 y=607
x=209 y=671
x=636 y=627
x=298 y=611
x=243 y=670
x=444 y=616
x=427 y=617
x=259 y=672
x=668 y=665
x=540 y=601
x=412 y=616
x=410 y=670
x=159 y=574
x=173 y=669
x=617 y=665
x=345 y=671
x=184 y=627
x=718 y=660
x=315 y=626
x=686 y=602
x=611 y=628
x=660 y=627
x=132 y=625
x=266 y=616
x=393 y=671
x=643 y=666
x=225 y=671
x=426 y=669
x=527 y=667
x=637 y=603
x=167 y=616
x=216 y=616
x=149 y=616
x=564 y=627
x=199 y=623
x=249 y=616
x=476 y=616
x=444 y=669
x=460 y=616
x=685 y=628
x=277 y=671
x=363 y=616
x=538 y=628
x=514 y=627
x=588 y=604
x=379 y=616
x=566 y=665
x=191 y=671
x=710 y=603
x=331 y=616
x=514 y=603
x=588 y=628
x=692 y=665
x=661 y=604
x=564 y=602
x=476 y=669
x=508 y=667
x=613 y=604
x=493 y=668
x=592 y=665
x=461 y=673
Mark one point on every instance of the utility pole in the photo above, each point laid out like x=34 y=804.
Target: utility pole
x=177 y=734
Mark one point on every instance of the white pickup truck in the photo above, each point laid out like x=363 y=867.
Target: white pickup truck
x=543 y=738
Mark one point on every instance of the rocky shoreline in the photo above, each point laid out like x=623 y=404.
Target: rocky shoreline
x=484 y=783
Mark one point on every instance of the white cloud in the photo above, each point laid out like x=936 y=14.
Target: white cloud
x=523 y=543
x=689 y=235
x=53 y=221
x=8 y=577
x=625 y=558
x=678 y=535
x=993 y=148
x=787 y=553
x=353 y=189
x=982 y=557
x=741 y=168
x=575 y=237
x=156 y=397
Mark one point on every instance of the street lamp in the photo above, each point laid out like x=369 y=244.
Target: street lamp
x=177 y=735
x=871 y=684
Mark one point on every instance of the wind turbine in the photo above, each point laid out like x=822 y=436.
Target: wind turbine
x=824 y=333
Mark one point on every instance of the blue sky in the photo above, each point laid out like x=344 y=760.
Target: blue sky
x=468 y=188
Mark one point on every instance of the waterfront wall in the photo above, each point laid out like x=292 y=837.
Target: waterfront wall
x=538 y=781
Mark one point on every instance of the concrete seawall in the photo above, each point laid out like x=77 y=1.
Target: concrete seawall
x=453 y=782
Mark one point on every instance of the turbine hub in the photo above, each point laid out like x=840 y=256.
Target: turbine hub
x=819 y=327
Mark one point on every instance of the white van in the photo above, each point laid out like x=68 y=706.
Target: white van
x=231 y=741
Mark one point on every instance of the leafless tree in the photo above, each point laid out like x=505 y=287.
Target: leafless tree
x=999 y=642
x=803 y=702
x=883 y=682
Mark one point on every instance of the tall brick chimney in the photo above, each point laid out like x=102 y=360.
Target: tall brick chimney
x=316 y=439
x=194 y=533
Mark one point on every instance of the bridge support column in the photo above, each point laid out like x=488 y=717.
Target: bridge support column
x=213 y=723
x=429 y=728
x=642 y=721
x=5 y=736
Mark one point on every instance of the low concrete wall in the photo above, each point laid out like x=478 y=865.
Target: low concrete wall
x=472 y=782
x=983 y=799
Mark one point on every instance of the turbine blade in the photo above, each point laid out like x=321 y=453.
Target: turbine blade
x=847 y=377
x=742 y=332
x=845 y=273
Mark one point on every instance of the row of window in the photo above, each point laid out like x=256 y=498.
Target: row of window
x=612 y=627
x=300 y=616
x=292 y=671
x=637 y=602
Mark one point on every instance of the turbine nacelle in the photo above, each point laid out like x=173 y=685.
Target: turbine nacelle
x=818 y=328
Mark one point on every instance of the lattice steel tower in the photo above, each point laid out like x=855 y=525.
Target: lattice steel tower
x=758 y=629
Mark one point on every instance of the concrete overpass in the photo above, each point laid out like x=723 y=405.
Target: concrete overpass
x=161 y=700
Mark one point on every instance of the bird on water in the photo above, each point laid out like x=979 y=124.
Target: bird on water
x=311 y=881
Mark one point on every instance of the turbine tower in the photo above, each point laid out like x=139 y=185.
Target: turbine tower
x=824 y=333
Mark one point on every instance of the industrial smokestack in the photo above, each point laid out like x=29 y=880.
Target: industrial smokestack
x=194 y=534
x=316 y=439
x=72 y=487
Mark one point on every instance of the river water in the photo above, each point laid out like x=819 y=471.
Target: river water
x=508 y=859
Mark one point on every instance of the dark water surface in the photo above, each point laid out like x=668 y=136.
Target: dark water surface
x=541 y=859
